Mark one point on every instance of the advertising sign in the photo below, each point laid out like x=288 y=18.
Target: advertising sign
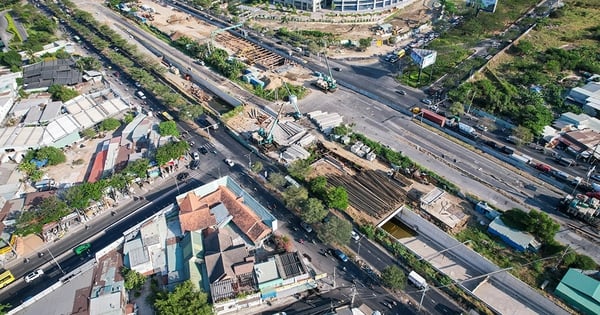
x=423 y=57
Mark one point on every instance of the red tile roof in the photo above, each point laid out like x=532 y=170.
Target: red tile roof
x=195 y=213
x=97 y=167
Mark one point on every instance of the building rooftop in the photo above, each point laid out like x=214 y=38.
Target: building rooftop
x=290 y=265
x=46 y=73
x=580 y=292
x=522 y=239
x=107 y=295
x=246 y=213
x=266 y=271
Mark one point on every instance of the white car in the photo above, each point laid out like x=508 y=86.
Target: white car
x=196 y=156
x=229 y=162
x=355 y=236
x=34 y=275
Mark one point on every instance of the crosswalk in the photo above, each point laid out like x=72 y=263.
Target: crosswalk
x=208 y=146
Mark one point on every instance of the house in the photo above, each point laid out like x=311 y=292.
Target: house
x=108 y=295
x=516 y=239
x=220 y=202
x=569 y=121
x=580 y=142
x=580 y=292
x=588 y=96
x=229 y=265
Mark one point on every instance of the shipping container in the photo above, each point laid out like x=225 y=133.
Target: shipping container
x=256 y=82
x=431 y=116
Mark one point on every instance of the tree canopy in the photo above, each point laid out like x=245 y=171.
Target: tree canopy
x=133 y=279
x=335 y=231
x=337 y=198
x=62 y=93
x=171 y=151
x=168 y=128
x=184 y=300
x=110 y=124
x=393 y=277
x=277 y=180
x=313 y=211
x=51 y=209
x=294 y=196
x=535 y=222
x=54 y=156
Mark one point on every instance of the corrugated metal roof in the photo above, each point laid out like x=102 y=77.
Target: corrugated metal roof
x=51 y=111
x=582 y=291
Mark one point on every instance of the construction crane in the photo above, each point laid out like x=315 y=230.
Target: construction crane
x=297 y=114
x=331 y=83
x=214 y=34
x=267 y=137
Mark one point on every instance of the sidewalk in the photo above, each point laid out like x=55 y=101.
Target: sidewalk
x=33 y=244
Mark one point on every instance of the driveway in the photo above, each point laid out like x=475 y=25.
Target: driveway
x=5 y=36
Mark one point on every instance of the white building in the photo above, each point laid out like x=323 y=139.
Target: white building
x=588 y=96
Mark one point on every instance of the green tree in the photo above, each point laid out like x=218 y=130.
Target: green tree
x=335 y=231
x=299 y=169
x=12 y=59
x=88 y=63
x=168 y=128
x=365 y=43
x=294 y=196
x=138 y=168
x=257 y=166
x=523 y=133
x=184 y=300
x=318 y=186
x=542 y=226
x=457 y=108
x=277 y=180
x=128 y=118
x=109 y=124
x=88 y=133
x=133 y=279
x=524 y=47
x=342 y=130
x=62 y=93
x=313 y=211
x=393 y=277
x=337 y=198
x=171 y=151
x=54 y=155
x=584 y=262
x=4 y=307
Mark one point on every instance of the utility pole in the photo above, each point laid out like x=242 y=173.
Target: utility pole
x=358 y=251
x=334 y=278
x=353 y=295
x=422 y=298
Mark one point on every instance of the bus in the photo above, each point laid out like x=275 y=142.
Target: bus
x=83 y=248
x=167 y=116
x=6 y=277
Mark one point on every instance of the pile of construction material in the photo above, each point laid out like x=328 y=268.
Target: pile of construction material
x=362 y=150
x=325 y=121
x=370 y=192
x=293 y=153
x=288 y=132
x=307 y=140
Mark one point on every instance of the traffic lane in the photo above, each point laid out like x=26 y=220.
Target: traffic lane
x=103 y=235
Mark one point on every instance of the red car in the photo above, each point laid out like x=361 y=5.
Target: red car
x=543 y=167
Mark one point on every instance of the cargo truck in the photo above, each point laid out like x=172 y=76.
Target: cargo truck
x=466 y=129
x=417 y=280
x=431 y=116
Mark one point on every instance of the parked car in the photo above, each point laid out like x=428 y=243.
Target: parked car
x=306 y=227
x=229 y=162
x=427 y=101
x=355 y=236
x=595 y=177
x=338 y=69
x=34 y=275
x=182 y=176
x=195 y=164
x=203 y=150
x=196 y=156
x=339 y=254
x=482 y=127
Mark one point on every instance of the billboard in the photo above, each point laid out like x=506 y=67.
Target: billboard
x=423 y=57
x=488 y=5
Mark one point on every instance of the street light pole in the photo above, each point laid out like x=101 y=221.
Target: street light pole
x=55 y=261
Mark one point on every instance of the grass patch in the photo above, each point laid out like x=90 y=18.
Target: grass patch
x=12 y=28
